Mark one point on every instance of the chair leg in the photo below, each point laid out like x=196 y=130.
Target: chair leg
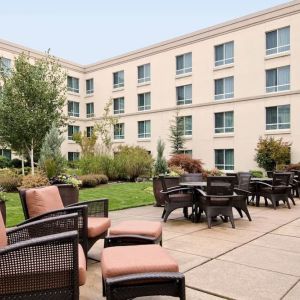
x=167 y=213
x=232 y=221
x=239 y=211
x=292 y=198
x=186 y=212
x=163 y=214
x=287 y=202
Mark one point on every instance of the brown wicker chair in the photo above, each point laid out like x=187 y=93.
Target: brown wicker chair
x=218 y=198
x=177 y=197
x=191 y=177
x=87 y=211
x=243 y=192
x=279 y=190
x=37 y=264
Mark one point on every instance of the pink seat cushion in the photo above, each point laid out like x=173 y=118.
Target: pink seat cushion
x=97 y=226
x=3 y=236
x=144 y=228
x=81 y=265
x=118 y=261
x=42 y=200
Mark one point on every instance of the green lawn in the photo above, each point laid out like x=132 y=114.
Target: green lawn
x=120 y=195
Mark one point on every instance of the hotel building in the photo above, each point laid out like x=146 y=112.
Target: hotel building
x=232 y=83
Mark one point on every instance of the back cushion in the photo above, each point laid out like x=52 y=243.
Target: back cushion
x=42 y=200
x=3 y=237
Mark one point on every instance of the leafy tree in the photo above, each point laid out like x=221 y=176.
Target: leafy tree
x=32 y=100
x=161 y=165
x=271 y=152
x=87 y=144
x=103 y=128
x=51 y=158
x=176 y=136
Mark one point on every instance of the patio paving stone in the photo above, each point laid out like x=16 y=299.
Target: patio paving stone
x=294 y=293
x=288 y=230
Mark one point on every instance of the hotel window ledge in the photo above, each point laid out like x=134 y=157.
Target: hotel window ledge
x=276 y=55
x=188 y=137
x=118 y=89
x=144 y=140
x=119 y=141
x=224 y=135
x=88 y=95
x=277 y=131
x=183 y=75
x=71 y=142
x=222 y=67
x=73 y=94
x=144 y=83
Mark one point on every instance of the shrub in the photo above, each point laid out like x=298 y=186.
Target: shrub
x=292 y=167
x=212 y=172
x=186 y=162
x=66 y=179
x=101 y=179
x=36 y=180
x=271 y=152
x=18 y=171
x=161 y=165
x=175 y=171
x=4 y=162
x=257 y=173
x=88 y=181
x=10 y=183
x=133 y=162
x=16 y=163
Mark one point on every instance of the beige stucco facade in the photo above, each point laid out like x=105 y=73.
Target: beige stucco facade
x=248 y=104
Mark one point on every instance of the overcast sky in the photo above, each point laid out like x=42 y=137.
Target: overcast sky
x=86 y=31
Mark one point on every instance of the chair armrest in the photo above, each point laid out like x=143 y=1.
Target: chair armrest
x=242 y=192
x=96 y=208
x=201 y=192
x=265 y=184
x=42 y=228
x=176 y=190
x=45 y=264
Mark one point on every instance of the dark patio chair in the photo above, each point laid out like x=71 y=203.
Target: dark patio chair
x=41 y=260
x=270 y=174
x=279 y=190
x=293 y=187
x=191 y=177
x=218 y=198
x=45 y=202
x=235 y=175
x=177 y=197
x=243 y=192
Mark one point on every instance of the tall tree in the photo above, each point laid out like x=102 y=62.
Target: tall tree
x=176 y=136
x=32 y=100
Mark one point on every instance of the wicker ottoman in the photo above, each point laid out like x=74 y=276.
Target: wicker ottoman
x=134 y=233
x=137 y=271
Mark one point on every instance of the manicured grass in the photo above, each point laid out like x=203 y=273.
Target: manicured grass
x=120 y=195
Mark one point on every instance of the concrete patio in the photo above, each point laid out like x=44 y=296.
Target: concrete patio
x=257 y=260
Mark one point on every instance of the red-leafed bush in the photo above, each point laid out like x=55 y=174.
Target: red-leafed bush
x=186 y=162
x=293 y=167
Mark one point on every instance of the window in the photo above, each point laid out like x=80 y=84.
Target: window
x=184 y=94
x=184 y=63
x=278 y=79
x=224 y=122
x=278 y=117
x=89 y=86
x=90 y=110
x=278 y=41
x=187 y=124
x=119 y=131
x=73 y=109
x=71 y=130
x=5 y=65
x=119 y=105
x=144 y=73
x=72 y=156
x=118 y=78
x=5 y=153
x=144 y=129
x=144 y=101
x=89 y=131
x=73 y=84
x=224 y=159
x=224 y=88
x=224 y=54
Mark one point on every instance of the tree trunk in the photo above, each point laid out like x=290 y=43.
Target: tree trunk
x=23 y=171
x=31 y=158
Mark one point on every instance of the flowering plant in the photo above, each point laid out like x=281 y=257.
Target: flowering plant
x=68 y=179
x=3 y=196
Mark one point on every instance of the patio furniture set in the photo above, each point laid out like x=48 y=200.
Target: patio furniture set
x=45 y=257
x=218 y=195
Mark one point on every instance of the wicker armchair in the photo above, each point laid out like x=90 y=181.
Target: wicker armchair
x=191 y=177
x=218 y=198
x=37 y=264
x=243 y=192
x=177 y=197
x=89 y=213
x=279 y=190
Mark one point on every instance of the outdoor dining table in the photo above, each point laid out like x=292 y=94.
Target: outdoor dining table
x=256 y=182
